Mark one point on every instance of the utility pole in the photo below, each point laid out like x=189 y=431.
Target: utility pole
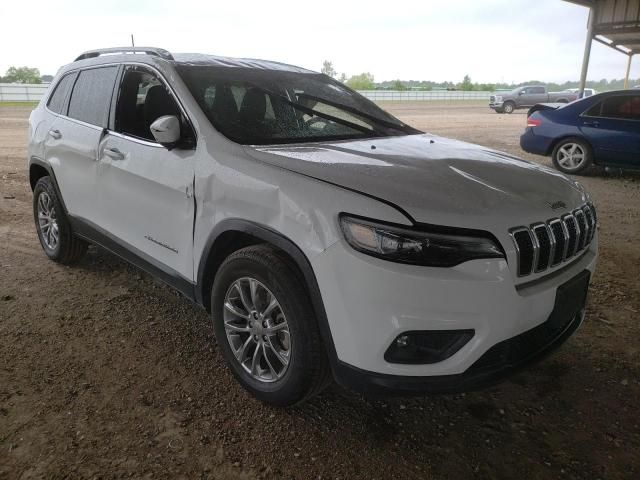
x=132 y=42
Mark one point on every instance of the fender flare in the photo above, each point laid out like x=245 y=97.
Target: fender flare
x=280 y=241
x=42 y=163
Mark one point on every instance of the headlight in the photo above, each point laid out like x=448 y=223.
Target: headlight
x=498 y=98
x=417 y=247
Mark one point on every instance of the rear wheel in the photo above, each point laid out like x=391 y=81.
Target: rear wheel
x=508 y=107
x=572 y=155
x=266 y=328
x=53 y=227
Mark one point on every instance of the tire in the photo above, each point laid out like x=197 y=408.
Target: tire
x=508 y=107
x=289 y=332
x=53 y=227
x=572 y=155
x=499 y=110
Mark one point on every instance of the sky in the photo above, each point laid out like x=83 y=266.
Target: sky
x=490 y=40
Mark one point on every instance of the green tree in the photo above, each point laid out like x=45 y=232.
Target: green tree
x=343 y=78
x=398 y=85
x=466 y=83
x=22 y=75
x=327 y=69
x=364 y=81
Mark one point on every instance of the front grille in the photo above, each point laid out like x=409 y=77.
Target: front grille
x=492 y=98
x=544 y=245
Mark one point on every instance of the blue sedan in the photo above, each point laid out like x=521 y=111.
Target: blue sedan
x=603 y=129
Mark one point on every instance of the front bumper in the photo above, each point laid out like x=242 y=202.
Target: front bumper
x=500 y=361
x=369 y=302
x=495 y=105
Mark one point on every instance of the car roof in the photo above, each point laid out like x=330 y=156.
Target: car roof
x=157 y=57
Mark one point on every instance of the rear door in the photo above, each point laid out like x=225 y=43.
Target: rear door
x=613 y=128
x=146 y=190
x=73 y=138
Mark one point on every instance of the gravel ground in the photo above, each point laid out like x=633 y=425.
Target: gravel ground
x=106 y=373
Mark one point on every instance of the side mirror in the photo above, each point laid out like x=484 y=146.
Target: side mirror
x=521 y=92
x=166 y=130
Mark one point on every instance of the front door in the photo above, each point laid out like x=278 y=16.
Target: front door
x=145 y=189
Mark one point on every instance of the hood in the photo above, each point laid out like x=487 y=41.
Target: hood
x=434 y=179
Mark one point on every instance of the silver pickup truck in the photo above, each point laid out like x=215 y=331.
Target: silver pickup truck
x=527 y=96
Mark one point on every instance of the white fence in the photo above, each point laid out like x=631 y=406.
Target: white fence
x=16 y=92
x=22 y=92
x=421 y=95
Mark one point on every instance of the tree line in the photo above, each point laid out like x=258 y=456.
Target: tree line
x=24 y=75
x=366 y=81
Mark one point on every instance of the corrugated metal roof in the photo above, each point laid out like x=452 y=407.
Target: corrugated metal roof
x=617 y=23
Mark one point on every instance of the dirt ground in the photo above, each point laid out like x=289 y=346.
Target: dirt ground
x=106 y=373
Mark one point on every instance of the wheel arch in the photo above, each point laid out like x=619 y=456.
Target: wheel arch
x=39 y=168
x=233 y=234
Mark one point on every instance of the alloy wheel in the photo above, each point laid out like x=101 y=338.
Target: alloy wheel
x=47 y=221
x=571 y=156
x=257 y=330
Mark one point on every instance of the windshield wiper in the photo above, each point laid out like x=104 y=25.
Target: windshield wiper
x=401 y=128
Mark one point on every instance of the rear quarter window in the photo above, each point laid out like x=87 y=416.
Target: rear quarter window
x=91 y=95
x=57 y=100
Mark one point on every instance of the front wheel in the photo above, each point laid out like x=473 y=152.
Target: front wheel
x=265 y=327
x=508 y=107
x=572 y=155
x=53 y=227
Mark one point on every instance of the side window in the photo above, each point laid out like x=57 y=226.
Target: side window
x=622 y=106
x=537 y=90
x=57 y=100
x=91 y=96
x=594 y=111
x=142 y=99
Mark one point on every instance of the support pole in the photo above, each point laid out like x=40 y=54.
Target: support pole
x=587 y=51
x=626 y=77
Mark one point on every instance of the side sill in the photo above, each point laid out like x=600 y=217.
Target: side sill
x=94 y=234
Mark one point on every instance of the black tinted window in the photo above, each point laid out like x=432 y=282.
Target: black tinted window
x=91 y=96
x=536 y=90
x=57 y=99
x=623 y=106
x=594 y=111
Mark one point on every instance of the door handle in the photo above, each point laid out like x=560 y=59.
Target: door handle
x=593 y=123
x=55 y=134
x=114 y=153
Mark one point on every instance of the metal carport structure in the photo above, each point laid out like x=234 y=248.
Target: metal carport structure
x=614 y=23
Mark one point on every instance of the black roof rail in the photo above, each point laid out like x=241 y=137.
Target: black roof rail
x=158 y=52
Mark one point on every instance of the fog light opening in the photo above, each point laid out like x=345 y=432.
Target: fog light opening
x=427 y=346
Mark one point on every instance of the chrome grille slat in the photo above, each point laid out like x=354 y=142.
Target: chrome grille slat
x=583 y=229
x=544 y=245
x=573 y=232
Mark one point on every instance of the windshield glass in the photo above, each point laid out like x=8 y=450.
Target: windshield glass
x=260 y=107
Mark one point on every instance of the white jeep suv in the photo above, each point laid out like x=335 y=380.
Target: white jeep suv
x=327 y=238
